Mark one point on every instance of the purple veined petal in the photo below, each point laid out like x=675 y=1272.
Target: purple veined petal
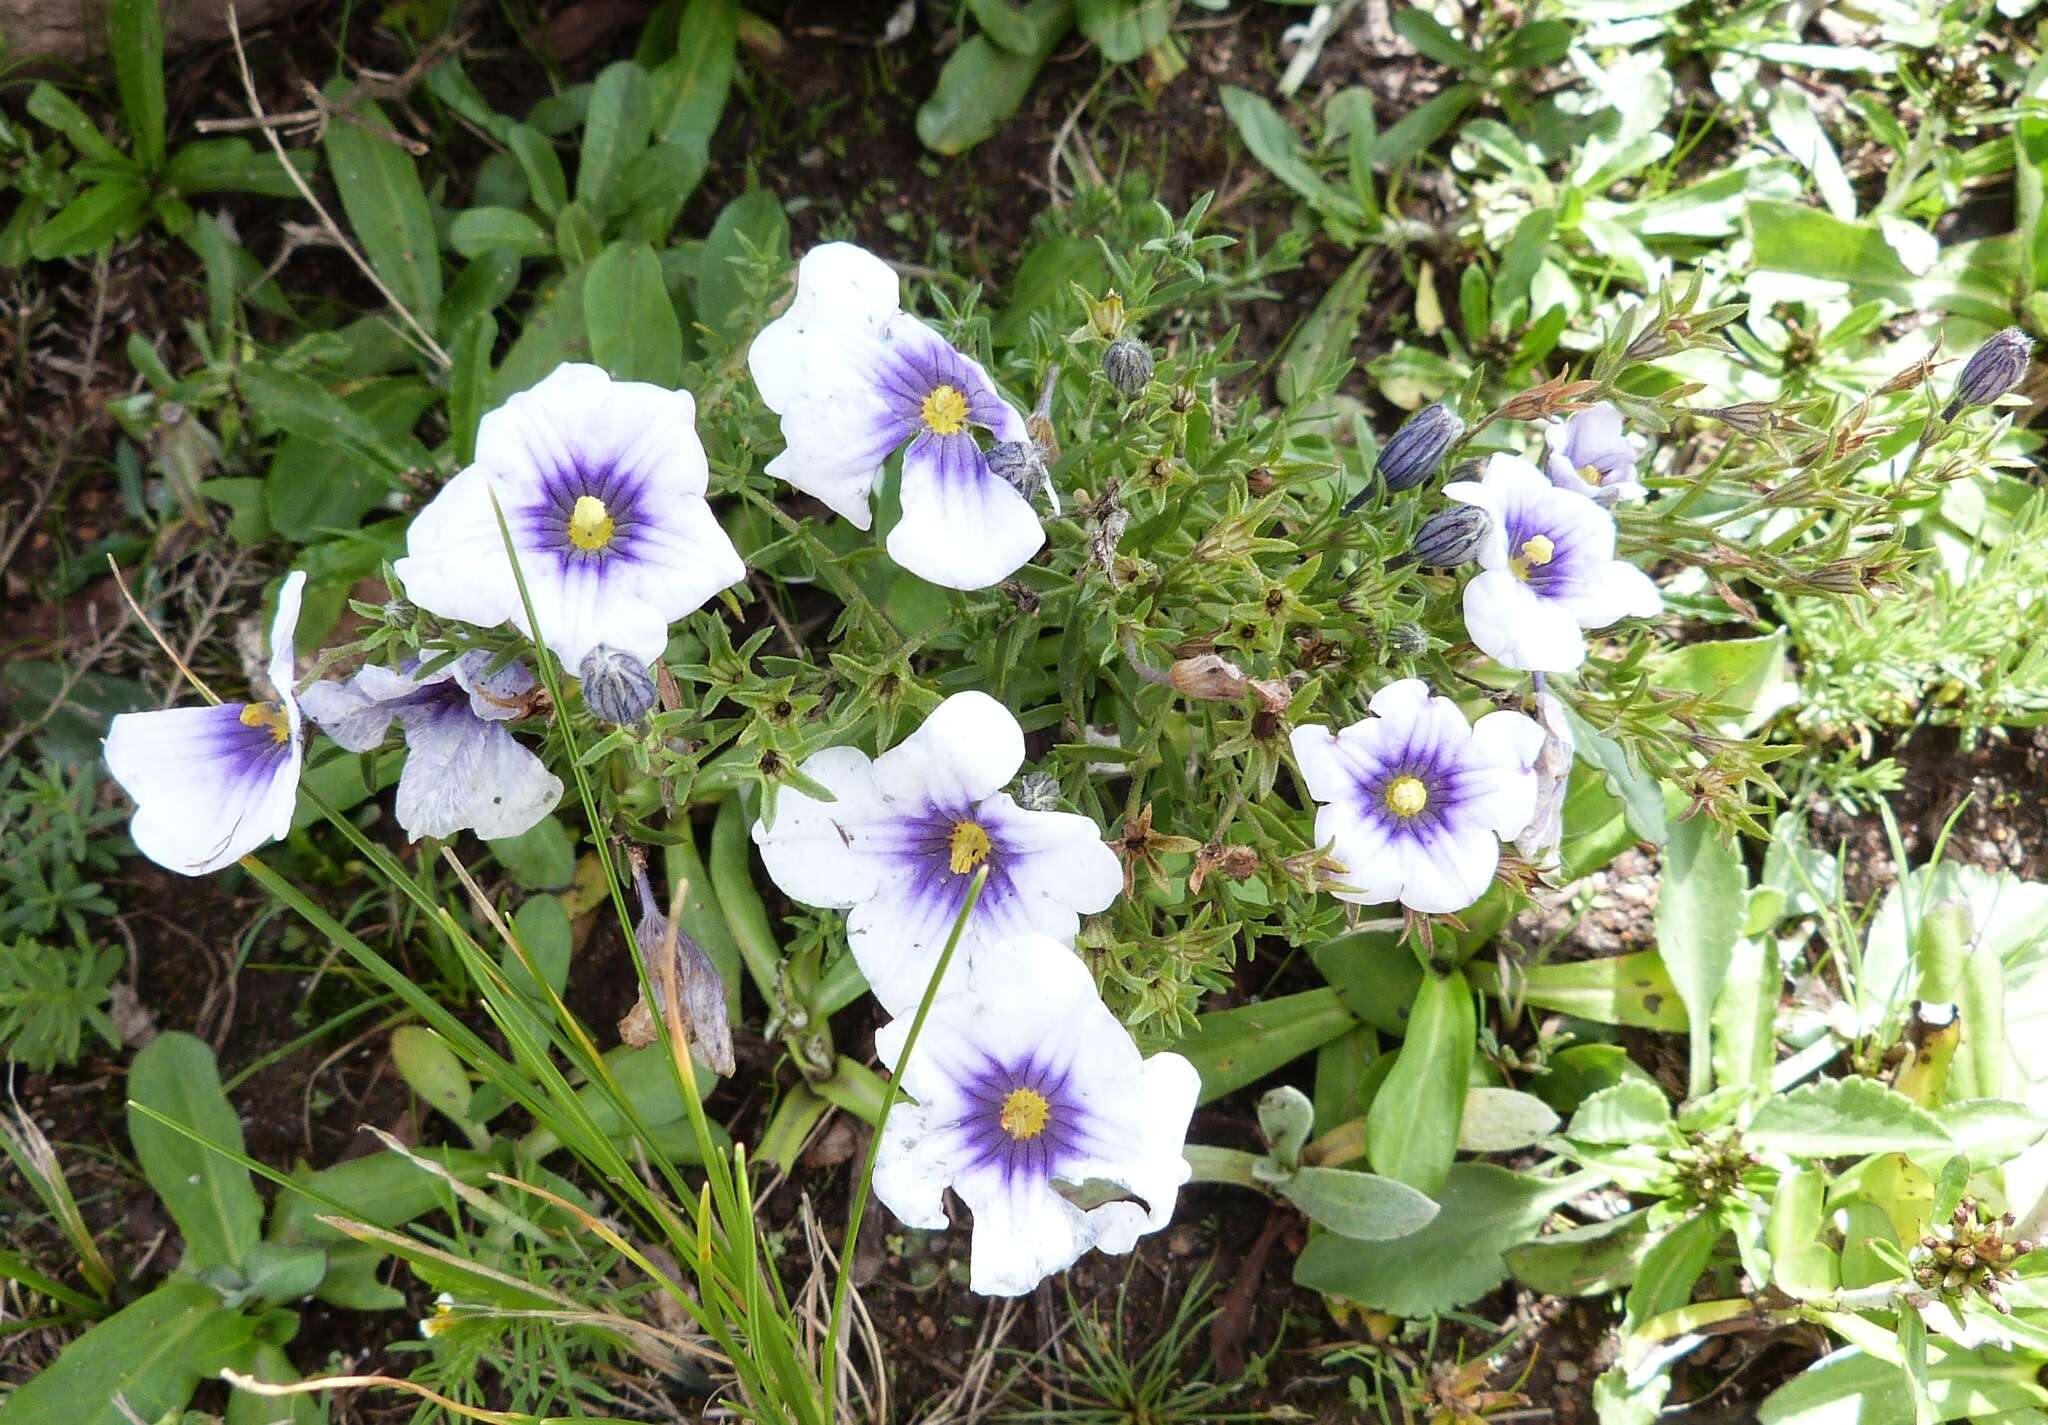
x=210 y=784
x=1517 y=629
x=962 y=526
x=463 y=773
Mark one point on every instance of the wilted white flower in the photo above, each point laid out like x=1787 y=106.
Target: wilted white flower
x=900 y=846
x=855 y=378
x=602 y=487
x=1414 y=802
x=1539 y=841
x=464 y=771
x=1033 y=1104
x=212 y=784
x=1548 y=570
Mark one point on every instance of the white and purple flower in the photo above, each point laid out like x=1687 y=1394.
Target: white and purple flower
x=900 y=846
x=212 y=784
x=464 y=771
x=1591 y=454
x=1031 y=1102
x=855 y=378
x=1548 y=570
x=1414 y=802
x=602 y=487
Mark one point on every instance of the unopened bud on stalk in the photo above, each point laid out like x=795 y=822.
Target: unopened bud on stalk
x=1448 y=538
x=1128 y=365
x=1418 y=448
x=1407 y=640
x=617 y=688
x=1992 y=370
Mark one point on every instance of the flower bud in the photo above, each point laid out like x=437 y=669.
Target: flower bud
x=1449 y=538
x=1038 y=791
x=1992 y=370
x=1419 y=447
x=1407 y=640
x=1128 y=365
x=1017 y=464
x=617 y=688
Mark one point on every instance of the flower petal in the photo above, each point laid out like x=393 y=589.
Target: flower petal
x=1497 y=778
x=1446 y=868
x=962 y=527
x=348 y=713
x=465 y=774
x=455 y=563
x=969 y=748
x=1615 y=591
x=1168 y=1087
x=831 y=855
x=1517 y=629
x=284 y=627
x=1056 y=868
x=208 y=788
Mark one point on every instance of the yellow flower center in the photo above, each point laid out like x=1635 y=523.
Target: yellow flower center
x=1590 y=474
x=1537 y=550
x=945 y=411
x=270 y=715
x=1406 y=796
x=590 y=524
x=1024 y=1114
x=967 y=848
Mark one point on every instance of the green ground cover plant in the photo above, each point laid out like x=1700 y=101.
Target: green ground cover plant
x=1068 y=711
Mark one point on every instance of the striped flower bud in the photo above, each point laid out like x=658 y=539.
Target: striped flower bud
x=1992 y=370
x=1449 y=538
x=1419 y=446
x=1128 y=365
x=617 y=688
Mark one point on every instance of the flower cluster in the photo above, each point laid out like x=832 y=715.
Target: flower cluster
x=583 y=524
x=1023 y=1080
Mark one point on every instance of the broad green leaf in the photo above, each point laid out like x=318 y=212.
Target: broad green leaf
x=1412 y=1131
x=983 y=84
x=1575 y=1074
x=551 y=334
x=1632 y=1111
x=90 y=221
x=632 y=324
x=234 y=165
x=342 y=457
x=431 y=1070
x=1699 y=918
x=386 y=206
x=1428 y=35
x=479 y=230
x=720 y=287
x=1583 y=1261
x=690 y=89
x=135 y=32
x=383 y=1188
x=1341 y=1069
x=1852 y=1387
x=268 y=1363
x=283 y=1272
x=1455 y=1260
x=1005 y=24
x=1360 y=1206
x=208 y=1195
x=1748 y=677
x=1795 y=125
x=151 y=1355
x=1500 y=1120
x=1802 y=1265
x=50 y=106
x=1992 y=1131
x=542 y=926
x=2030 y=179
x=1839 y=1118
x=1671 y=1268
x=1745 y=1014
x=616 y=128
x=542 y=858
x=1635 y=990
x=1235 y=1047
x=1274 y=144
x=462 y=1277
x=546 y=183
x=1424 y=125
x=1124 y=29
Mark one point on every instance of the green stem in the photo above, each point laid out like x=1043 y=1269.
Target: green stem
x=829 y=1372
x=1222 y=1165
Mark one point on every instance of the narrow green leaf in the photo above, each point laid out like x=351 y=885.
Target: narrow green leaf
x=209 y=1196
x=1583 y=1261
x=633 y=329
x=1802 y=1265
x=135 y=33
x=1699 y=918
x=1235 y=1047
x=982 y=85
x=616 y=128
x=90 y=221
x=149 y=1356
x=469 y=381
x=1671 y=1268
x=1412 y=1131
x=386 y=205
x=1635 y=990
